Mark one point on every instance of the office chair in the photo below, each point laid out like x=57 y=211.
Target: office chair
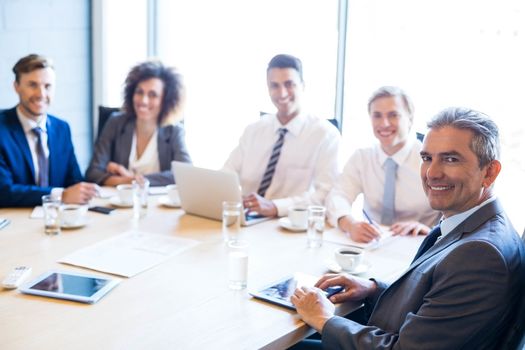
x=103 y=115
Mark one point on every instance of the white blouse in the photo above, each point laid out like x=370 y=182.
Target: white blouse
x=149 y=161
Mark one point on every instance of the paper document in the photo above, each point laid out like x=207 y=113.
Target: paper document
x=128 y=254
x=335 y=235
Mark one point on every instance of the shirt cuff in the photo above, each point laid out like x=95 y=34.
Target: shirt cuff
x=56 y=192
x=333 y=217
x=282 y=205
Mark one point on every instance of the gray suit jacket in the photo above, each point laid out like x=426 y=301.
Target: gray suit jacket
x=114 y=145
x=460 y=294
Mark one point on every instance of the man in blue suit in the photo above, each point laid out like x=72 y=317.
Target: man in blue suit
x=462 y=288
x=36 y=152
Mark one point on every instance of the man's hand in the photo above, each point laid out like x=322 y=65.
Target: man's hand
x=355 y=288
x=313 y=306
x=261 y=205
x=413 y=228
x=359 y=231
x=80 y=193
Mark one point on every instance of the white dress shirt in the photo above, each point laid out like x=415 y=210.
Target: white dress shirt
x=307 y=166
x=28 y=125
x=148 y=162
x=364 y=173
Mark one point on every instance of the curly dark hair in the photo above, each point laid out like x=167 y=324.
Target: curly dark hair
x=173 y=87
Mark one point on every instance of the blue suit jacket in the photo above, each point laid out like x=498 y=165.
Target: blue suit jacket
x=17 y=174
x=461 y=294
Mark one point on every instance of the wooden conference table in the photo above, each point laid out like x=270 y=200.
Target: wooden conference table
x=183 y=303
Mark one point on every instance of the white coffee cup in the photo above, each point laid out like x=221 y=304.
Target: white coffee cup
x=73 y=214
x=349 y=258
x=173 y=194
x=298 y=216
x=125 y=194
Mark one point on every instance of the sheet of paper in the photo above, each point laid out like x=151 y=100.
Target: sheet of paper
x=37 y=213
x=335 y=235
x=128 y=254
x=157 y=190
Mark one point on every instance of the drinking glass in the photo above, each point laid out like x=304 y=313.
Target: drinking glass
x=237 y=264
x=316 y=221
x=231 y=220
x=51 y=207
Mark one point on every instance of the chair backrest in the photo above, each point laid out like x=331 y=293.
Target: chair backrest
x=103 y=115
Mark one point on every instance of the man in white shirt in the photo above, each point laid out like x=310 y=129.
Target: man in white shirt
x=36 y=152
x=391 y=115
x=279 y=168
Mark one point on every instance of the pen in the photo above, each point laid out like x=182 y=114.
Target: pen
x=369 y=219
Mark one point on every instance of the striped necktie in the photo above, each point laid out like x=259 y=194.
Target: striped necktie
x=270 y=168
x=43 y=164
x=428 y=242
x=389 y=194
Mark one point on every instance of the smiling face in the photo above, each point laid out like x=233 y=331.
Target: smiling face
x=450 y=172
x=391 y=123
x=35 y=90
x=285 y=88
x=147 y=99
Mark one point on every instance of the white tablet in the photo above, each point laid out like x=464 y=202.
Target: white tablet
x=85 y=288
x=280 y=292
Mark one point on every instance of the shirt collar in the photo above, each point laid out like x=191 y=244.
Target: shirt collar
x=294 y=126
x=448 y=224
x=400 y=156
x=28 y=123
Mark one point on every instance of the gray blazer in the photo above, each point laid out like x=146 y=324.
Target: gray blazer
x=114 y=145
x=460 y=294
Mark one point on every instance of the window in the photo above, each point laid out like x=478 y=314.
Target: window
x=446 y=53
x=223 y=47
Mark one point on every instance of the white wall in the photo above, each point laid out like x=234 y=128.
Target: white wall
x=59 y=29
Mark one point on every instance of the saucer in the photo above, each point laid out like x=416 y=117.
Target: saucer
x=75 y=225
x=286 y=224
x=166 y=202
x=115 y=201
x=362 y=268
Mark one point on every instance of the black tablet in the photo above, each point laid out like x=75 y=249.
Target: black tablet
x=85 y=288
x=280 y=292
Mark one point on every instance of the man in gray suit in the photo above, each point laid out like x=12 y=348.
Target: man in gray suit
x=460 y=291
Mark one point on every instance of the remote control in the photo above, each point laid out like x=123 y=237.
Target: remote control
x=16 y=277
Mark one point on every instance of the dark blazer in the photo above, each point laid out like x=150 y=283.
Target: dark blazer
x=460 y=294
x=17 y=173
x=114 y=145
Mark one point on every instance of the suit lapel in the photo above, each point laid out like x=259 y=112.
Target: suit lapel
x=53 y=148
x=20 y=138
x=163 y=143
x=470 y=224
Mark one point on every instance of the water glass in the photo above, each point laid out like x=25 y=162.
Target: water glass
x=316 y=221
x=237 y=264
x=231 y=220
x=51 y=207
x=140 y=197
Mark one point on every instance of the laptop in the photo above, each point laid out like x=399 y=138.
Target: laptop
x=202 y=192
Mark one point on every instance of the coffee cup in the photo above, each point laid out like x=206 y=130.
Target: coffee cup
x=173 y=194
x=73 y=214
x=125 y=194
x=349 y=258
x=298 y=216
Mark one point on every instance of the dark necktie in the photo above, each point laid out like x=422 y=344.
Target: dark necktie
x=389 y=194
x=429 y=241
x=270 y=168
x=43 y=165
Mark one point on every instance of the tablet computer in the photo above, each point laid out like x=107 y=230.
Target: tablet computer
x=85 y=288
x=280 y=291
